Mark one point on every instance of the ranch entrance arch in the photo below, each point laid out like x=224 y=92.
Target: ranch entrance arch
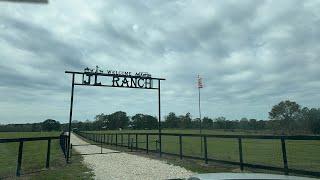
x=116 y=79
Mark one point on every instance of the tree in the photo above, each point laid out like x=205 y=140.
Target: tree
x=117 y=120
x=312 y=119
x=50 y=125
x=286 y=112
x=244 y=123
x=220 y=123
x=171 y=121
x=207 y=123
x=141 y=121
x=101 y=120
x=185 y=121
x=253 y=124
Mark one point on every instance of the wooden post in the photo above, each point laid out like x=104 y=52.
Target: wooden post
x=180 y=146
x=48 y=153
x=284 y=156
x=19 y=158
x=240 y=154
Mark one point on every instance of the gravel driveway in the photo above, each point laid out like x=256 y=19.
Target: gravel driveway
x=126 y=166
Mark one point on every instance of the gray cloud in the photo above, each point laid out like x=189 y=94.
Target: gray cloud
x=252 y=54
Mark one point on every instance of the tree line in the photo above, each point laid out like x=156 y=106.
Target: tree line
x=47 y=125
x=286 y=117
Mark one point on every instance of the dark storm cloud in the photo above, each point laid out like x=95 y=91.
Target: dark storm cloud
x=27 y=36
x=251 y=54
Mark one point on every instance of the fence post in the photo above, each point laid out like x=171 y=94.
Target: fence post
x=121 y=139
x=240 y=154
x=71 y=151
x=284 y=156
x=180 y=146
x=116 y=139
x=104 y=138
x=205 y=149
x=48 y=153
x=128 y=141
x=101 y=143
x=147 y=143
x=160 y=145
x=136 y=141
x=131 y=144
x=65 y=145
x=111 y=139
x=19 y=158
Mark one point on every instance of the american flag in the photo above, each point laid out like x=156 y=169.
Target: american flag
x=200 y=85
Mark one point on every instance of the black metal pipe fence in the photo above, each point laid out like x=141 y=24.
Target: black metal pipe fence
x=132 y=140
x=63 y=144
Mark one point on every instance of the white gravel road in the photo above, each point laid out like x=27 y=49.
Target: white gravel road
x=122 y=165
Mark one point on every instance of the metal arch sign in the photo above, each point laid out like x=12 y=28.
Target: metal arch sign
x=122 y=79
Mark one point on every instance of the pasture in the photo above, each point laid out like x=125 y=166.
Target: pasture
x=34 y=158
x=301 y=154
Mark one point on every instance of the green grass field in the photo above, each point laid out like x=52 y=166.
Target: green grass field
x=301 y=154
x=34 y=159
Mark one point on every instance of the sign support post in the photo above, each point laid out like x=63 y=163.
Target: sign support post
x=70 y=118
x=159 y=123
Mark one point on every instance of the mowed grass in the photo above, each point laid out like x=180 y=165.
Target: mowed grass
x=34 y=158
x=301 y=154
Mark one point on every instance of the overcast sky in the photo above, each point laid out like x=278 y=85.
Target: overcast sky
x=251 y=55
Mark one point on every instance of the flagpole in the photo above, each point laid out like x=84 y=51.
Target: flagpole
x=200 y=123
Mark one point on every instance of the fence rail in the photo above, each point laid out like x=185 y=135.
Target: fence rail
x=107 y=138
x=63 y=145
